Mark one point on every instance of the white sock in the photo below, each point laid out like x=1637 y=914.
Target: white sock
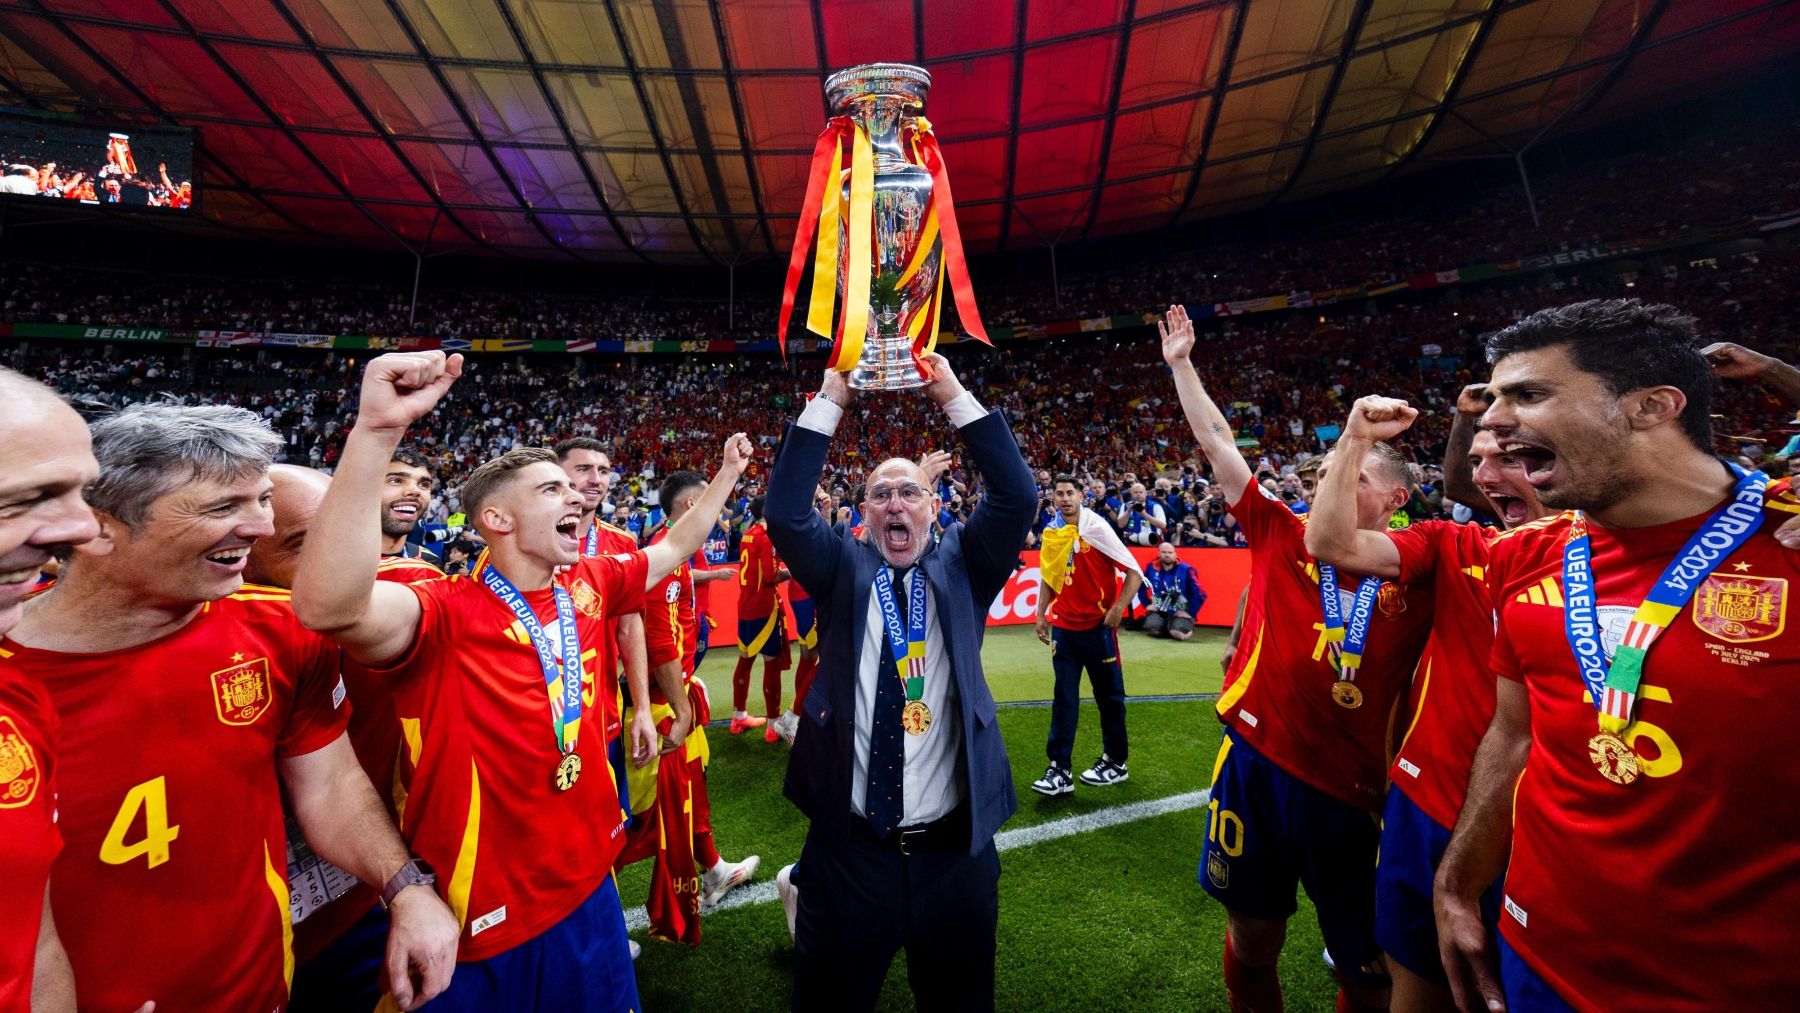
x=739 y=715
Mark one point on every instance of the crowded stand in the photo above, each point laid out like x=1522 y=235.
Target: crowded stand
x=1289 y=374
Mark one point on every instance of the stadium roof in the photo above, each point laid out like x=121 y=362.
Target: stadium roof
x=678 y=131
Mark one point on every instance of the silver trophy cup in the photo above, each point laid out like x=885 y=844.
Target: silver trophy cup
x=883 y=98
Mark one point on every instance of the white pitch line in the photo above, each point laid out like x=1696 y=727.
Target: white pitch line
x=1007 y=840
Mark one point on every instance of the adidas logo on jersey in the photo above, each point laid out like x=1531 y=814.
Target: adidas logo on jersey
x=1545 y=592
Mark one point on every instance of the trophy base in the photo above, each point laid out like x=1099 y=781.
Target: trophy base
x=889 y=373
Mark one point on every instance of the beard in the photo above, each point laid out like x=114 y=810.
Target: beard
x=393 y=527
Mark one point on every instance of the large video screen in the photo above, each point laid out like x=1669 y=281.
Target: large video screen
x=126 y=165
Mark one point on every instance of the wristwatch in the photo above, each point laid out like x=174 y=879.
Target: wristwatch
x=416 y=872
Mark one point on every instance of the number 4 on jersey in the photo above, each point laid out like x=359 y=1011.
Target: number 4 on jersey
x=152 y=798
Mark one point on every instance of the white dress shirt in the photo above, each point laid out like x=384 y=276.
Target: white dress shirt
x=933 y=777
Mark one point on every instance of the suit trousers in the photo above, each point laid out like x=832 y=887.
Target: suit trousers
x=863 y=900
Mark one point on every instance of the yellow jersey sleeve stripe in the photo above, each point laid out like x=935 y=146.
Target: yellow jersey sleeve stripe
x=279 y=887
x=1231 y=696
x=462 y=878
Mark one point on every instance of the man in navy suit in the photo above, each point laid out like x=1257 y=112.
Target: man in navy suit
x=898 y=762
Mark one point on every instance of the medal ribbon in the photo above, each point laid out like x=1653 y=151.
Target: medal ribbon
x=565 y=699
x=907 y=643
x=1614 y=687
x=592 y=548
x=1347 y=640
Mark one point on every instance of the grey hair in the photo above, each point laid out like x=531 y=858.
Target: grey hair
x=147 y=450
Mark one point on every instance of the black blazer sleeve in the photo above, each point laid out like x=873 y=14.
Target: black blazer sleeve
x=806 y=544
x=996 y=531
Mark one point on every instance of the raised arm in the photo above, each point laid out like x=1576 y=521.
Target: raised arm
x=1459 y=469
x=1476 y=855
x=1217 y=442
x=336 y=593
x=688 y=534
x=796 y=530
x=1331 y=534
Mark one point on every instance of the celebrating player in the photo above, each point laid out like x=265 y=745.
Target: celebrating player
x=491 y=678
x=337 y=936
x=1306 y=704
x=584 y=460
x=196 y=700
x=1453 y=692
x=1645 y=664
x=45 y=461
x=405 y=494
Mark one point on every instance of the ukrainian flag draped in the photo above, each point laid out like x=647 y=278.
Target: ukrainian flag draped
x=827 y=206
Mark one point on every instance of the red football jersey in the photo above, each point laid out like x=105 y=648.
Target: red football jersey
x=173 y=884
x=1677 y=891
x=1091 y=589
x=757 y=570
x=1452 y=699
x=513 y=854
x=375 y=735
x=1278 y=691
x=612 y=541
x=671 y=624
x=29 y=841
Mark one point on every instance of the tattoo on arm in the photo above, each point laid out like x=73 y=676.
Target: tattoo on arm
x=1217 y=428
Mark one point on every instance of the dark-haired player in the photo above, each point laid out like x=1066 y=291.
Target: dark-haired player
x=1306 y=704
x=1646 y=667
x=405 y=494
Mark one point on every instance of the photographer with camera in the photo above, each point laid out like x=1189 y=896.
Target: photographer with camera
x=1171 y=596
x=1144 y=520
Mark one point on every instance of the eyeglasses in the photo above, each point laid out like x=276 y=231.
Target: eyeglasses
x=911 y=493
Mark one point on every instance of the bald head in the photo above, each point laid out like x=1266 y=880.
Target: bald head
x=298 y=492
x=46 y=461
x=898 y=506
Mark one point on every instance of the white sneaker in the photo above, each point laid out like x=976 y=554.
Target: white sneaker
x=636 y=950
x=1328 y=961
x=789 y=894
x=721 y=879
x=786 y=726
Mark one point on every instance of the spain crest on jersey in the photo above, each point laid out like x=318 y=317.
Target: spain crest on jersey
x=242 y=692
x=19 y=770
x=1391 y=598
x=1741 y=609
x=587 y=600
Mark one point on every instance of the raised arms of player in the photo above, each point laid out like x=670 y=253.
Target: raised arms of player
x=1476 y=855
x=1331 y=534
x=1459 y=471
x=336 y=592
x=1216 y=439
x=347 y=824
x=688 y=534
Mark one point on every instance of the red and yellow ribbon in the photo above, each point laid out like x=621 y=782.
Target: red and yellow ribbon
x=825 y=206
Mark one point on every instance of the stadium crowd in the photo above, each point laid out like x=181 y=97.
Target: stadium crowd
x=1289 y=374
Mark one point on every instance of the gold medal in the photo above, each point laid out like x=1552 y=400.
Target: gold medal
x=1345 y=694
x=916 y=718
x=1613 y=758
x=568 y=771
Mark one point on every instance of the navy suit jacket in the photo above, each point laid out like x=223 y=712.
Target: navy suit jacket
x=967 y=568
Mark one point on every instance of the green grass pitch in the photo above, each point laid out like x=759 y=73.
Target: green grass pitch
x=1109 y=919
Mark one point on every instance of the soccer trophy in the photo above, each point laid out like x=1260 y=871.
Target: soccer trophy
x=886 y=229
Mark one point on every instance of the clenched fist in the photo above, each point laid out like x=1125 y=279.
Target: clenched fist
x=401 y=388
